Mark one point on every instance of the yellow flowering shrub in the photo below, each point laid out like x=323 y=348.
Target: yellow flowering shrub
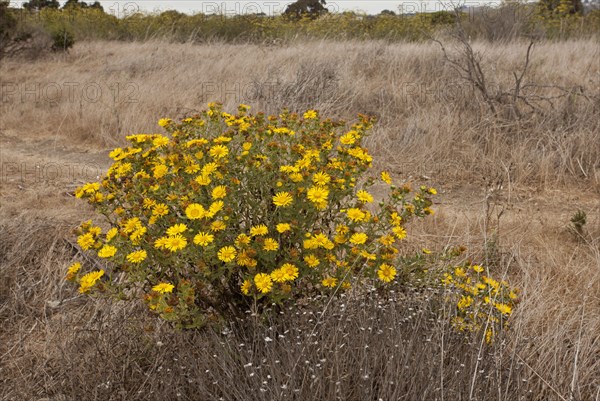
x=234 y=211
x=483 y=304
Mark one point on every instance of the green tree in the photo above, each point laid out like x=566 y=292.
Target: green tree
x=82 y=4
x=561 y=7
x=40 y=4
x=310 y=8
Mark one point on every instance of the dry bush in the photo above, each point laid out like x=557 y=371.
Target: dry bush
x=504 y=24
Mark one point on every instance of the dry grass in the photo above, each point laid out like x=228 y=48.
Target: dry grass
x=507 y=191
x=430 y=120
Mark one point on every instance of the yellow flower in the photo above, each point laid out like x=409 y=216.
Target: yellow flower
x=163 y=122
x=386 y=272
x=163 y=288
x=263 y=282
x=477 y=268
x=242 y=239
x=283 y=227
x=203 y=239
x=110 y=234
x=385 y=177
x=195 y=211
x=296 y=177
x=489 y=335
x=278 y=275
x=209 y=168
x=160 y=209
x=136 y=236
x=131 y=225
x=123 y=169
x=176 y=229
x=329 y=282
x=219 y=192
x=91 y=188
x=72 y=271
x=86 y=241
x=396 y=219
x=192 y=168
x=89 y=280
x=139 y=138
x=271 y=245
x=218 y=225
x=349 y=138
x=311 y=260
x=356 y=215
x=464 y=302
x=426 y=251
x=203 y=179
x=291 y=271
x=503 y=308
x=282 y=199
x=74 y=268
x=318 y=195
x=432 y=191
x=310 y=115
x=387 y=240
x=117 y=154
x=215 y=208
x=367 y=255
x=360 y=154
x=400 y=232
x=259 y=230
x=244 y=259
x=322 y=241
x=303 y=163
x=246 y=286
x=95 y=231
x=321 y=179
x=491 y=282
x=358 y=238
x=137 y=256
x=160 y=243
x=310 y=243
x=222 y=139
x=218 y=151
x=107 y=251
x=160 y=141
x=175 y=243
x=226 y=254
x=160 y=171
x=340 y=238
x=364 y=196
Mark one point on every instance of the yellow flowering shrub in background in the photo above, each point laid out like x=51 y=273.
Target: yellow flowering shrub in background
x=237 y=211
x=483 y=304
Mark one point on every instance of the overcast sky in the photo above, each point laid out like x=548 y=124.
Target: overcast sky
x=230 y=7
